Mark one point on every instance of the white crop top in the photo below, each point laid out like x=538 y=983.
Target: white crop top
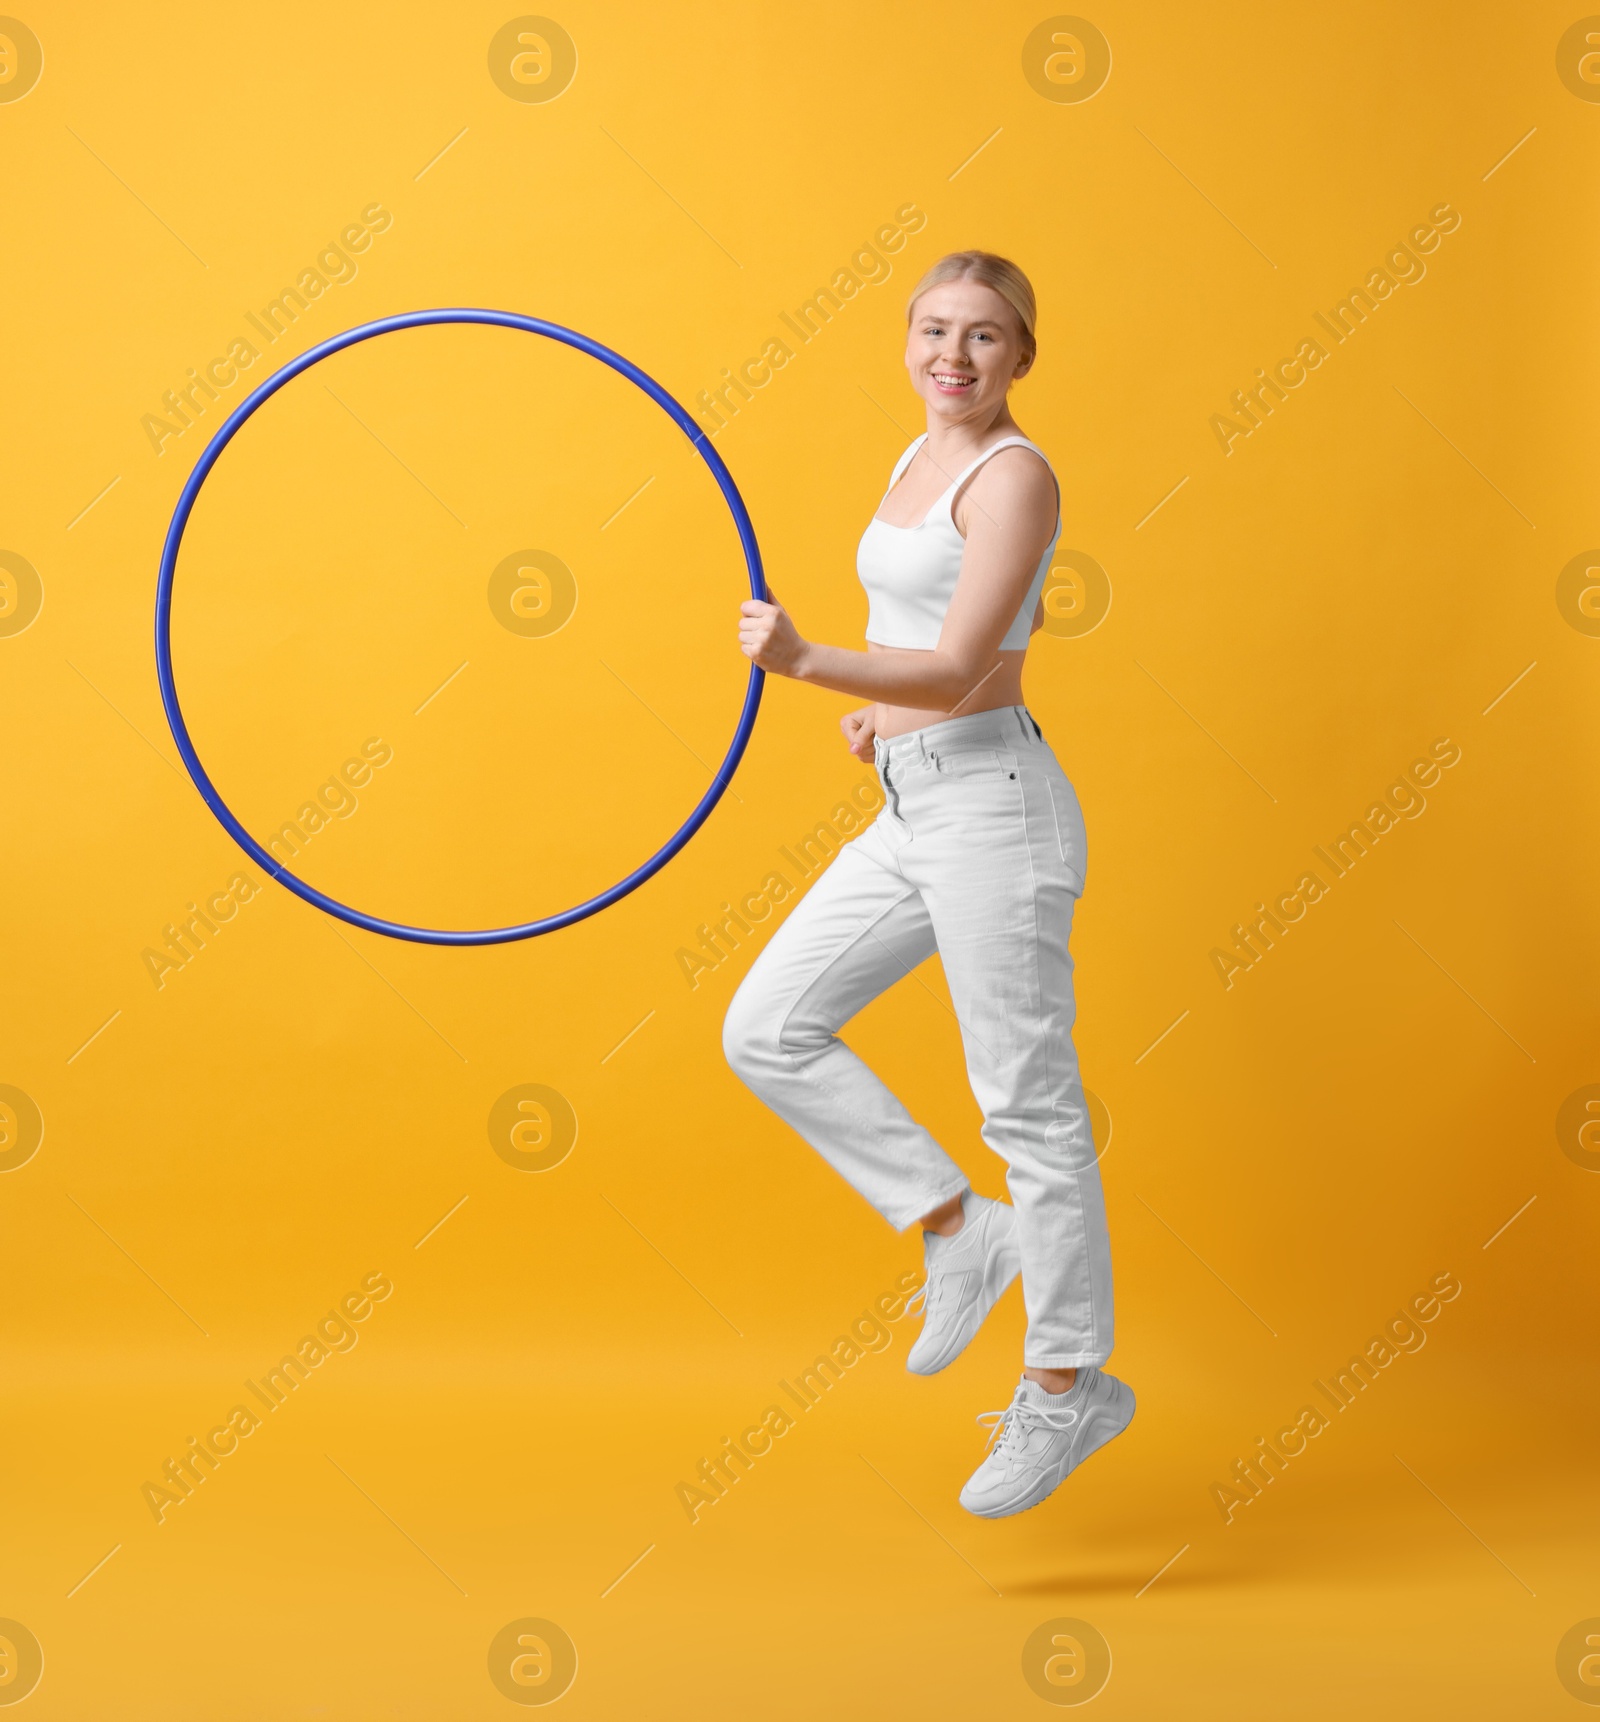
x=910 y=572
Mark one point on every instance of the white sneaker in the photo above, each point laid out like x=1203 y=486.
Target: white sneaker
x=1040 y=1437
x=965 y=1276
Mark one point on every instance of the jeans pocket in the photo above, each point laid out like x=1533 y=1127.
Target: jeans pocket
x=977 y=764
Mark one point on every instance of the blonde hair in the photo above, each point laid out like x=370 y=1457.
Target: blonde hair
x=1000 y=273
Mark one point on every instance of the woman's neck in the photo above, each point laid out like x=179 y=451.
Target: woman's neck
x=957 y=443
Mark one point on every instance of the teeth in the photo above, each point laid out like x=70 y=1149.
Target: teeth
x=945 y=377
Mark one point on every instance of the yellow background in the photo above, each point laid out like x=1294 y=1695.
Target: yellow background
x=302 y=1102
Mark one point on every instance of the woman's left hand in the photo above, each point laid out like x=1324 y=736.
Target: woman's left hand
x=769 y=638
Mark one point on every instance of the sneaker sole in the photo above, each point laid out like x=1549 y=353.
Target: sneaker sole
x=1003 y=1266
x=1103 y=1428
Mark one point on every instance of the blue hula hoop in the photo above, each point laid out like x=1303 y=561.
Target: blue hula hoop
x=169 y=563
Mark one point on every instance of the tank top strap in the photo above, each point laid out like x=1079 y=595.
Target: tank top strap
x=995 y=448
x=900 y=467
x=948 y=500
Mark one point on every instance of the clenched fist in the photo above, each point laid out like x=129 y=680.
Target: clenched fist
x=768 y=638
x=860 y=727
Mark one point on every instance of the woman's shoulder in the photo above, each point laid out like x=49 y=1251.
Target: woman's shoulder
x=1015 y=449
x=1017 y=466
x=1015 y=479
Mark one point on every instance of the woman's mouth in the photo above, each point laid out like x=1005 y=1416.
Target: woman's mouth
x=952 y=382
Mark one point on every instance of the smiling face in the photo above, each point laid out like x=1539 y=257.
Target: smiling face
x=964 y=349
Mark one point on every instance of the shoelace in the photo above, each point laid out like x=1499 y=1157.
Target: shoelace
x=1019 y=1419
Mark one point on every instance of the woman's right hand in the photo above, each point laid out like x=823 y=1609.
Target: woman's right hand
x=859 y=729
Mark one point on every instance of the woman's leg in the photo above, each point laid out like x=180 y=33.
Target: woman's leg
x=858 y=930
x=999 y=861
x=1018 y=1015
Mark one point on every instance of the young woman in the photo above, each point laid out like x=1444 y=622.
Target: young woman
x=977 y=853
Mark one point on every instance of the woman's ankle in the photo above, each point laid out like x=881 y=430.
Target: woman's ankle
x=947 y=1219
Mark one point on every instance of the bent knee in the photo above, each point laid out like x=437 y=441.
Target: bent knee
x=749 y=1035
x=763 y=1033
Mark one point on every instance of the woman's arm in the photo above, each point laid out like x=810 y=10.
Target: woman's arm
x=997 y=567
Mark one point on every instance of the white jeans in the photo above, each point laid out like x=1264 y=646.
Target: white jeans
x=978 y=854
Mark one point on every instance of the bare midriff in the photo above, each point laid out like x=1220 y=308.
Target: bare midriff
x=1002 y=687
